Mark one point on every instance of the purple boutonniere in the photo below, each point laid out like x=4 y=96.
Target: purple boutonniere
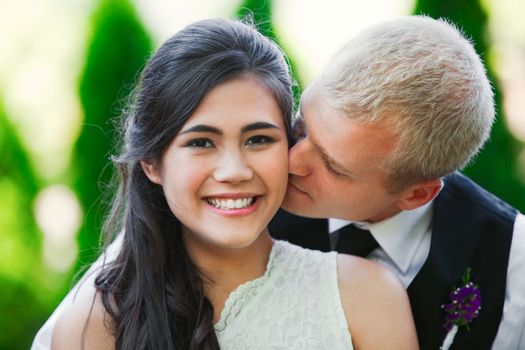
x=464 y=306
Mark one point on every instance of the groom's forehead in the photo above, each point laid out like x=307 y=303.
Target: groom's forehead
x=312 y=102
x=310 y=93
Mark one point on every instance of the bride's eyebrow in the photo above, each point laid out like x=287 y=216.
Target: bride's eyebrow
x=259 y=126
x=202 y=128
x=214 y=130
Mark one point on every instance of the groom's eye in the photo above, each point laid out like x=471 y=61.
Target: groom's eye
x=331 y=169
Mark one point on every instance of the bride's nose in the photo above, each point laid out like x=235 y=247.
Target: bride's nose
x=233 y=167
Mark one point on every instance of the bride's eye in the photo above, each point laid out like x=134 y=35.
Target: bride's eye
x=200 y=143
x=259 y=140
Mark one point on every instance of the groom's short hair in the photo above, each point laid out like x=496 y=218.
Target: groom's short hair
x=423 y=78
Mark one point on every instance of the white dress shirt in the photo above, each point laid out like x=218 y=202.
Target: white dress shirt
x=404 y=243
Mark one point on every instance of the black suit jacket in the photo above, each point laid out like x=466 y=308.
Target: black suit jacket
x=470 y=228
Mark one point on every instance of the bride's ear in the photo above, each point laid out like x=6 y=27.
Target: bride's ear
x=419 y=194
x=152 y=171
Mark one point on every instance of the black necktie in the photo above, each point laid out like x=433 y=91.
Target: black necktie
x=355 y=241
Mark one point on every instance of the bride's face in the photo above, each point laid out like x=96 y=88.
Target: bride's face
x=225 y=173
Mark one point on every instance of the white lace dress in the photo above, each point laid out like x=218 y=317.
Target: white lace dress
x=294 y=305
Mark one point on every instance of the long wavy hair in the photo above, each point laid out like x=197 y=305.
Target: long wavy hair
x=152 y=290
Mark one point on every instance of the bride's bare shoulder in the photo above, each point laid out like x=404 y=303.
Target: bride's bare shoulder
x=355 y=272
x=376 y=305
x=84 y=324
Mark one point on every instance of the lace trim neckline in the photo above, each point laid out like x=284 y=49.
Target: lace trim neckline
x=234 y=304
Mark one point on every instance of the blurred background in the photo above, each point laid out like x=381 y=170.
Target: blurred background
x=66 y=67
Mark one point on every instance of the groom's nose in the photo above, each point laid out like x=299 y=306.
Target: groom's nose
x=298 y=158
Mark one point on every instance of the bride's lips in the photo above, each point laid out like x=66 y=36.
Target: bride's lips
x=254 y=204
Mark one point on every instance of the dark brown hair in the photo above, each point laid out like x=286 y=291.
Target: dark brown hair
x=152 y=290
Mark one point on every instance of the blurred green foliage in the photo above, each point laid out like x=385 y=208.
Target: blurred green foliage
x=23 y=313
x=21 y=306
x=496 y=167
x=117 y=51
x=29 y=290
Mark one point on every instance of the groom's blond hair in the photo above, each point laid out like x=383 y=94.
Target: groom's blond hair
x=423 y=78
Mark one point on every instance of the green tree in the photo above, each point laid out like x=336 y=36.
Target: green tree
x=20 y=304
x=496 y=167
x=118 y=49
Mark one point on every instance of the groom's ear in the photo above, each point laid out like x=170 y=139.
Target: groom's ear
x=419 y=194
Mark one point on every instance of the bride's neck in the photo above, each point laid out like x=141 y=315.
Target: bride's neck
x=224 y=269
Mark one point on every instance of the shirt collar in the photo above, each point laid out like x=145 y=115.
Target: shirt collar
x=336 y=224
x=399 y=236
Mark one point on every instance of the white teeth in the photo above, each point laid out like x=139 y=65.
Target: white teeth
x=230 y=203
x=238 y=203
